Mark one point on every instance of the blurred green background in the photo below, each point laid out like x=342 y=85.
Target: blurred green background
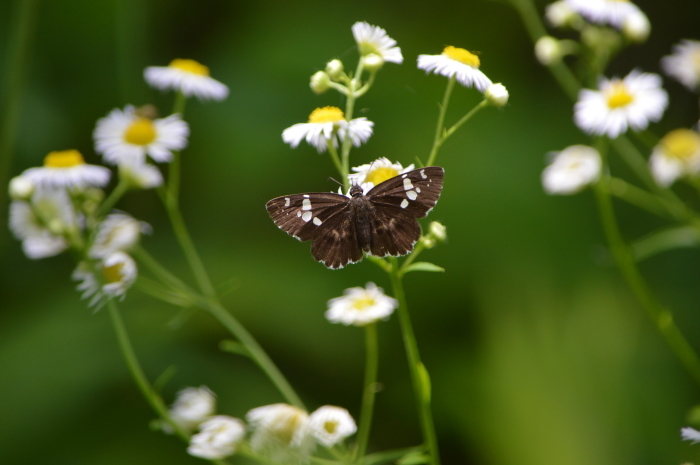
x=538 y=352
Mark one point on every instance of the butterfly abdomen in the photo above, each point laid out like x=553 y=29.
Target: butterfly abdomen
x=361 y=210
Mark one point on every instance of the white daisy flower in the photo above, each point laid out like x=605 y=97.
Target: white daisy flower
x=457 y=62
x=612 y=12
x=571 y=170
x=690 y=434
x=117 y=232
x=124 y=136
x=141 y=175
x=41 y=224
x=361 y=306
x=676 y=155
x=217 y=438
x=377 y=172
x=331 y=425
x=684 y=63
x=281 y=431
x=192 y=406
x=373 y=39
x=186 y=76
x=67 y=168
x=118 y=272
x=621 y=103
x=328 y=124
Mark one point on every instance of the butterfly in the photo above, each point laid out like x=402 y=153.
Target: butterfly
x=381 y=223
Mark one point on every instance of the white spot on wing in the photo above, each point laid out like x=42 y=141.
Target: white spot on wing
x=306 y=196
x=407 y=184
x=411 y=195
x=418 y=189
x=403 y=176
x=298 y=213
x=306 y=216
x=404 y=203
x=306 y=204
x=422 y=174
x=286 y=201
x=317 y=221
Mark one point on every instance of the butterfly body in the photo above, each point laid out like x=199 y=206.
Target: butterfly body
x=380 y=223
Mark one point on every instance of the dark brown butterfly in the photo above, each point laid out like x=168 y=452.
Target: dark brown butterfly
x=381 y=223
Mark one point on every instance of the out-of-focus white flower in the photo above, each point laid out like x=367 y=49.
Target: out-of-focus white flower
x=217 y=438
x=125 y=136
x=192 y=406
x=548 y=50
x=20 y=188
x=141 y=175
x=331 y=425
x=612 y=12
x=377 y=172
x=320 y=82
x=636 y=27
x=621 y=103
x=676 y=155
x=117 y=232
x=67 y=168
x=438 y=230
x=281 y=431
x=186 y=76
x=361 y=306
x=684 y=63
x=496 y=94
x=374 y=39
x=690 y=434
x=457 y=62
x=328 y=124
x=571 y=170
x=559 y=14
x=117 y=274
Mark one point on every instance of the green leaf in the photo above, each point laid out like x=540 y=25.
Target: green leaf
x=664 y=240
x=423 y=266
x=392 y=455
x=234 y=347
x=414 y=458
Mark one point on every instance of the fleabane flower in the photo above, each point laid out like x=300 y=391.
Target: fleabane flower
x=690 y=434
x=612 y=12
x=571 y=170
x=621 y=103
x=126 y=136
x=117 y=232
x=192 y=406
x=281 y=431
x=186 y=76
x=377 y=172
x=684 y=63
x=217 y=438
x=67 y=168
x=330 y=425
x=42 y=222
x=677 y=154
x=457 y=62
x=117 y=274
x=328 y=124
x=374 y=40
x=361 y=306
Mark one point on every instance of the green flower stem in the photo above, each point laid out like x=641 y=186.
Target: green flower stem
x=639 y=197
x=174 y=168
x=420 y=246
x=363 y=90
x=661 y=317
x=334 y=157
x=439 y=130
x=117 y=193
x=160 y=271
x=421 y=386
x=369 y=391
x=136 y=371
x=346 y=144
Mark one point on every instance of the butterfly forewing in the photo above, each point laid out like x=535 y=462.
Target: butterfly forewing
x=415 y=192
x=301 y=215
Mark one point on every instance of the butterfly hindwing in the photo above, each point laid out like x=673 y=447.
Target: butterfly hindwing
x=393 y=233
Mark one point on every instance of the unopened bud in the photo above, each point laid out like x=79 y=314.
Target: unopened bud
x=21 y=188
x=548 y=50
x=636 y=27
x=373 y=62
x=496 y=94
x=334 y=69
x=320 y=82
x=560 y=14
x=438 y=230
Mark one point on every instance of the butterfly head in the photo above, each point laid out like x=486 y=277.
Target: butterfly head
x=356 y=191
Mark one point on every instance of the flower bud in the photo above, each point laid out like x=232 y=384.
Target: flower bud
x=496 y=94
x=438 y=230
x=548 y=50
x=373 y=62
x=320 y=82
x=560 y=14
x=636 y=27
x=21 y=188
x=334 y=69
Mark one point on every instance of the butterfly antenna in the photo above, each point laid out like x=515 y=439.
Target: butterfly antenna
x=337 y=182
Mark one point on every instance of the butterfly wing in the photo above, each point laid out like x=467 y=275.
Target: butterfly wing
x=413 y=194
x=323 y=218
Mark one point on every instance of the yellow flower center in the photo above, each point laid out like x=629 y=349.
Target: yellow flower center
x=618 y=95
x=140 y=132
x=113 y=274
x=189 y=66
x=326 y=115
x=330 y=426
x=379 y=175
x=462 y=55
x=681 y=143
x=285 y=427
x=63 y=159
x=363 y=303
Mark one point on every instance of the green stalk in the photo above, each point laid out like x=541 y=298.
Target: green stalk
x=419 y=378
x=369 y=391
x=117 y=193
x=440 y=128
